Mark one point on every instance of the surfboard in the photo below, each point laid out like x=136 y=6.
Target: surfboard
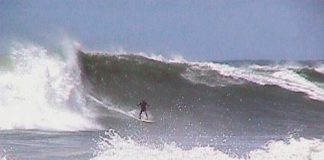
x=146 y=120
x=131 y=113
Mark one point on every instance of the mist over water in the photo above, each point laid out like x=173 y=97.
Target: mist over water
x=202 y=110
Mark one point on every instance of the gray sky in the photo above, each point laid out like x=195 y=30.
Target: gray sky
x=198 y=30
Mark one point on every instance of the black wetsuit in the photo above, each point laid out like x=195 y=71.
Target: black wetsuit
x=143 y=106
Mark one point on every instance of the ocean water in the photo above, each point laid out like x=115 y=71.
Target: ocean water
x=82 y=105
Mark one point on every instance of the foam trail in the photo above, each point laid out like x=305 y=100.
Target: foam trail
x=39 y=93
x=115 y=147
x=128 y=114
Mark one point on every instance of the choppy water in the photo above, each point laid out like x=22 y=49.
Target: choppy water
x=77 y=105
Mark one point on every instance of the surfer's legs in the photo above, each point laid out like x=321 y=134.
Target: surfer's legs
x=146 y=115
x=140 y=115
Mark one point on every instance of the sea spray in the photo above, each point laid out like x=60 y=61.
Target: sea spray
x=41 y=92
x=113 y=146
x=282 y=76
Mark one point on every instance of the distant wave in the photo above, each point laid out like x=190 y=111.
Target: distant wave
x=312 y=74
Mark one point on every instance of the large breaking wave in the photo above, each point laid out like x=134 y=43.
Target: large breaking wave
x=41 y=91
x=211 y=98
x=305 y=77
x=192 y=102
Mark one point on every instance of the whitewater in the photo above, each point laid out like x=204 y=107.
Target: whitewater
x=74 y=104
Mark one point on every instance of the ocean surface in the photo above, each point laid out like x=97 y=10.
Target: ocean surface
x=80 y=105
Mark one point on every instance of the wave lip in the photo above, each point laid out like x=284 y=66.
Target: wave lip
x=284 y=77
x=320 y=68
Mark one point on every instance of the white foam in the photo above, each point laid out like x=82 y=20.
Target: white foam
x=206 y=76
x=37 y=93
x=320 y=68
x=175 y=58
x=281 y=76
x=114 y=147
x=274 y=67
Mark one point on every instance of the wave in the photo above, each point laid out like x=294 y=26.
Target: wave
x=211 y=97
x=281 y=76
x=312 y=75
x=113 y=146
x=286 y=75
x=320 y=68
x=41 y=91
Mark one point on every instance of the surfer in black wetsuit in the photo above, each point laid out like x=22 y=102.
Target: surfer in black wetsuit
x=143 y=104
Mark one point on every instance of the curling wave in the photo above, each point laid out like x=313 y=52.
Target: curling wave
x=41 y=91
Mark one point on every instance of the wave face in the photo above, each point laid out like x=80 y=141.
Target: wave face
x=40 y=91
x=215 y=98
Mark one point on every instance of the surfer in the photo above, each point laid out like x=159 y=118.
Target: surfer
x=143 y=104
